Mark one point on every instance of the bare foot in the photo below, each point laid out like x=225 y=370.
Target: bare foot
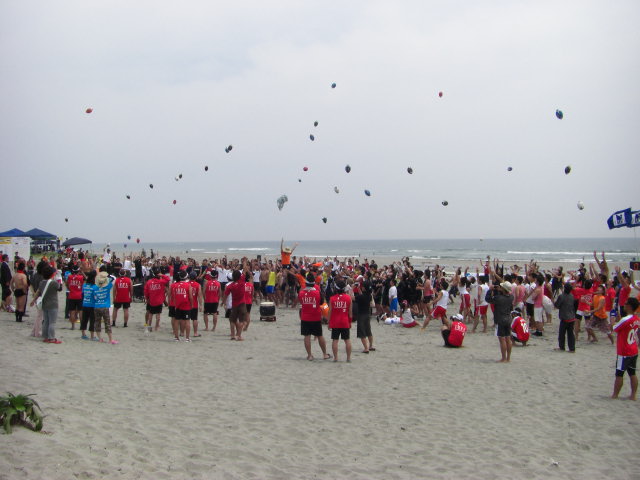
x=632 y=397
x=310 y=357
x=326 y=356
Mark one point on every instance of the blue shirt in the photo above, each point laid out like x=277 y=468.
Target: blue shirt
x=87 y=294
x=102 y=295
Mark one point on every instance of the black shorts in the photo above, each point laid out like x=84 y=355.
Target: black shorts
x=237 y=313
x=155 y=309
x=75 y=304
x=210 y=308
x=223 y=285
x=124 y=305
x=248 y=305
x=6 y=292
x=18 y=292
x=256 y=287
x=311 y=328
x=182 y=314
x=503 y=330
x=227 y=313
x=427 y=299
x=172 y=312
x=529 y=307
x=337 y=333
x=364 y=326
x=288 y=267
x=193 y=314
x=626 y=364
x=445 y=336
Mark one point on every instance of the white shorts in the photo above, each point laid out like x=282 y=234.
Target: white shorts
x=537 y=314
x=547 y=305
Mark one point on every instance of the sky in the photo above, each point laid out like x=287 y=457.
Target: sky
x=171 y=84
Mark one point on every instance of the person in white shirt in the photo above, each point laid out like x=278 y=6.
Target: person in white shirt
x=393 y=298
x=483 y=305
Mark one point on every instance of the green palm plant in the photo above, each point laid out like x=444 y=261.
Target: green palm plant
x=20 y=410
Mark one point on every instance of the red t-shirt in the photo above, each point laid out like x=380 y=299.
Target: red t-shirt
x=584 y=297
x=180 y=294
x=610 y=297
x=248 y=293
x=122 y=290
x=624 y=295
x=236 y=290
x=627 y=329
x=195 y=293
x=521 y=328
x=310 y=305
x=456 y=334
x=340 y=304
x=154 y=291
x=74 y=284
x=211 y=291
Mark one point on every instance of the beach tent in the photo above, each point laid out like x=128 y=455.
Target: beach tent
x=69 y=242
x=38 y=234
x=14 y=232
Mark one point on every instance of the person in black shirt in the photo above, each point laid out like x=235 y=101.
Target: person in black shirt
x=500 y=297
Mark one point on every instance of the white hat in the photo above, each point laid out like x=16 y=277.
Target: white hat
x=507 y=286
x=458 y=317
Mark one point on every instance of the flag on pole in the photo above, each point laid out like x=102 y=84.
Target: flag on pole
x=621 y=218
x=634 y=219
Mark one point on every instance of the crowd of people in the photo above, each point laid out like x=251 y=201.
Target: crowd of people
x=333 y=291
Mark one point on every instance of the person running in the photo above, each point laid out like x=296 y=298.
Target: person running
x=567 y=314
x=182 y=297
x=453 y=331
x=74 y=283
x=211 y=289
x=519 y=328
x=196 y=302
x=627 y=348
x=122 y=297
x=20 y=288
x=500 y=297
x=340 y=316
x=236 y=291
x=311 y=317
x=101 y=303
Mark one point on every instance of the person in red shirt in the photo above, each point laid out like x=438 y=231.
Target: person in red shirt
x=196 y=303
x=155 y=293
x=453 y=331
x=122 y=296
x=625 y=289
x=311 y=317
x=248 y=300
x=182 y=298
x=340 y=315
x=211 y=291
x=238 y=307
x=74 y=285
x=519 y=328
x=627 y=348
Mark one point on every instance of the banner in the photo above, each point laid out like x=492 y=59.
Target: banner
x=634 y=219
x=619 y=219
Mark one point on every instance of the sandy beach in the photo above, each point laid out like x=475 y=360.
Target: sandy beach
x=151 y=408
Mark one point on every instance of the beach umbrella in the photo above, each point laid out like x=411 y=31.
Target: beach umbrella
x=75 y=241
x=559 y=114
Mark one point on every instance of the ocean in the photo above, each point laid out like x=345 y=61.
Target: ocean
x=562 y=250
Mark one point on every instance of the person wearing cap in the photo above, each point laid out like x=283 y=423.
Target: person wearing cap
x=285 y=254
x=235 y=291
x=101 y=304
x=122 y=296
x=211 y=291
x=453 y=331
x=500 y=297
x=340 y=315
x=74 y=285
x=311 y=317
x=182 y=298
x=519 y=328
x=155 y=293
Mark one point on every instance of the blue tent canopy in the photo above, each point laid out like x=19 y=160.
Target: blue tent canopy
x=14 y=232
x=39 y=234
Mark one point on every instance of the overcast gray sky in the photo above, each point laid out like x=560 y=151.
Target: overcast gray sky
x=172 y=83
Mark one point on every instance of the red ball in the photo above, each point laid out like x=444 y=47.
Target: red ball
x=89 y=110
x=305 y=168
x=440 y=94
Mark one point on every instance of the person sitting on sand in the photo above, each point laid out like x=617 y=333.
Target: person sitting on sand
x=627 y=348
x=340 y=315
x=453 y=331
x=407 y=320
x=519 y=328
x=311 y=317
